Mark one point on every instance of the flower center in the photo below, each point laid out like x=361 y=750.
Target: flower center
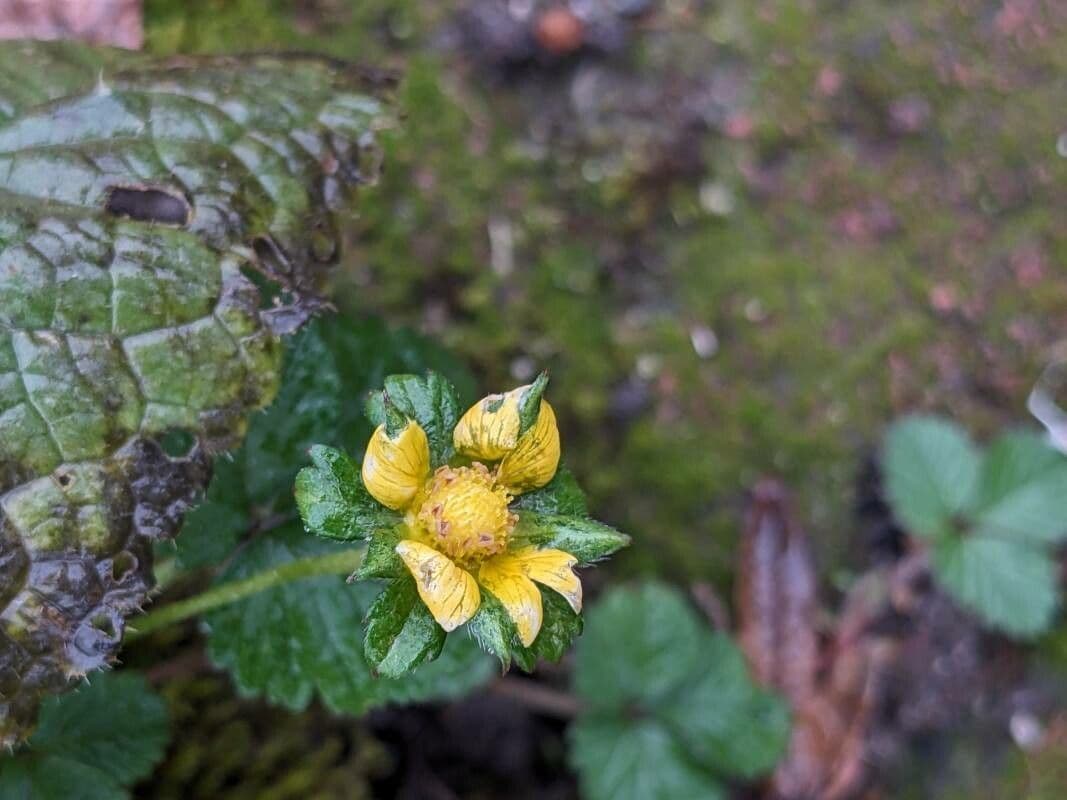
x=464 y=514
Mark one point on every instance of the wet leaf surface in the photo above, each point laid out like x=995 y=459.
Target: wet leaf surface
x=145 y=206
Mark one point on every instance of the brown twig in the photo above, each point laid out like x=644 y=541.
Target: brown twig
x=537 y=697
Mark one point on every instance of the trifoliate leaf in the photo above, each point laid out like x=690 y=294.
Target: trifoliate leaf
x=306 y=637
x=647 y=667
x=726 y=721
x=147 y=211
x=91 y=744
x=332 y=500
x=431 y=400
x=1022 y=491
x=1010 y=585
x=640 y=646
x=401 y=632
x=638 y=759
x=584 y=538
x=561 y=495
x=931 y=472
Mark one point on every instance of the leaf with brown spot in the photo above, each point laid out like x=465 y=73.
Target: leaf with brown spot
x=161 y=225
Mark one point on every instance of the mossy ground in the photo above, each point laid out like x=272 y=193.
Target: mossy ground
x=742 y=242
x=743 y=236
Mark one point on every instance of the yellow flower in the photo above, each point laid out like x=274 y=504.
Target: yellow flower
x=458 y=528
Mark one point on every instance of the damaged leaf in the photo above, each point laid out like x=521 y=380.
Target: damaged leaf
x=162 y=223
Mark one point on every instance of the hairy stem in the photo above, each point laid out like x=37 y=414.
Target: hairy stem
x=329 y=564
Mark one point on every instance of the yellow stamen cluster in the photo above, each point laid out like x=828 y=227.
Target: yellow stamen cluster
x=465 y=514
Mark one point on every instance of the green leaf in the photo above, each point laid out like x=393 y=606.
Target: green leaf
x=1022 y=490
x=619 y=759
x=1010 y=586
x=726 y=721
x=931 y=471
x=431 y=400
x=91 y=744
x=333 y=502
x=381 y=559
x=640 y=646
x=584 y=538
x=530 y=403
x=149 y=212
x=331 y=361
x=213 y=528
x=306 y=637
x=561 y=495
x=493 y=629
x=401 y=632
x=647 y=667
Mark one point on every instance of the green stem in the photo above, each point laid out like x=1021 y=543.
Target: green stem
x=329 y=564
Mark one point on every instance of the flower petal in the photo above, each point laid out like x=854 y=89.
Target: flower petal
x=534 y=460
x=490 y=428
x=449 y=592
x=504 y=577
x=552 y=568
x=394 y=468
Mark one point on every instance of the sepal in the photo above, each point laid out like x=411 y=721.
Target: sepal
x=401 y=634
x=332 y=500
x=586 y=539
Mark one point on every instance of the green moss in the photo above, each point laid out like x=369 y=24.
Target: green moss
x=816 y=277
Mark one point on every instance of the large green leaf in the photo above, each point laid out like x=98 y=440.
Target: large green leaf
x=294 y=640
x=931 y=469
x=90 y=744
x=161 y=225
x=665 y=693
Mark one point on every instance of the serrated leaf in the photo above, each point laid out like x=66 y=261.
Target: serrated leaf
x=639 y=647
x=561 y=495
x=636 y=760
x=1009 y=585
x=401 y=632
x=303 y=638
x=137 y=200
x=91 y=744
x=1022 y=490
x=431 y=400
x=584 y=538
x=332 y=500
x=931 y=472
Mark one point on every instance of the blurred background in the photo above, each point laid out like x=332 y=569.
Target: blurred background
x=742 y=235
